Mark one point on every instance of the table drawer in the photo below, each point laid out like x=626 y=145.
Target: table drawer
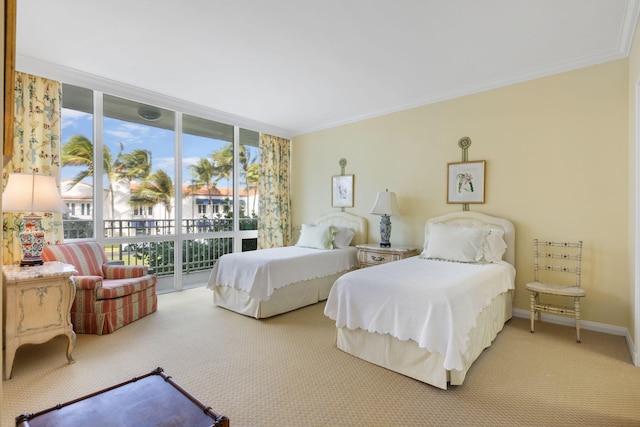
x=369 y=255
x=379 y=258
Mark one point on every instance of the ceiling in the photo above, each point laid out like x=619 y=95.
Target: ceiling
x=303 y=65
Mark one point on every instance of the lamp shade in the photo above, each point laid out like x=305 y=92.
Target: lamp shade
x=29 y=192
x=386 y=204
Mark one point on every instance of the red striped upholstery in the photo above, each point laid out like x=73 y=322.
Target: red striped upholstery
x=88 y=282
x=123 y=271
x=87 y=257
x=117 y=288
x=108 y=297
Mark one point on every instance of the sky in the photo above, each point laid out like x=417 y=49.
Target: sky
x=138 y=136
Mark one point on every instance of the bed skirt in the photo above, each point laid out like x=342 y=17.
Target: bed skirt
x=405 y=357
x=282 y=300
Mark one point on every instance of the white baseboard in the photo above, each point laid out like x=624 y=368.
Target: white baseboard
x=585 y=324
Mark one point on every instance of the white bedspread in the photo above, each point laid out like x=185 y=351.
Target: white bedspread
x=434 y=303
x=261 y=272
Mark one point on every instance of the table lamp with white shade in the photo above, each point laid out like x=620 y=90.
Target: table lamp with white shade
x=30 y=193
x=386 y=205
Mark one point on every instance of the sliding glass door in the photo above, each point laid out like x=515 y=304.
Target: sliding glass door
x=157 y=187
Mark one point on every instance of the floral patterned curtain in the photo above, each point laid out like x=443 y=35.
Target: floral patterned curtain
x=274 y=226
x=36 y=148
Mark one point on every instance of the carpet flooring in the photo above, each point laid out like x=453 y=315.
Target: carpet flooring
x=287 y=371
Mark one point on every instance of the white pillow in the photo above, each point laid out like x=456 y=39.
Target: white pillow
x=344 y=236
x=316 y=236
x=494 y=246
x=455 y=243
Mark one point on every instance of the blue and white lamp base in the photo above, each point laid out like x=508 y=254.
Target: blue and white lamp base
x=385 y=231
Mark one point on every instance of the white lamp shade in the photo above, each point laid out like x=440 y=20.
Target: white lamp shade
x=27 y=192
x=386 y=204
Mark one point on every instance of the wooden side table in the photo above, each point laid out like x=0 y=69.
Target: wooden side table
x=37 y=306
x=369 y=255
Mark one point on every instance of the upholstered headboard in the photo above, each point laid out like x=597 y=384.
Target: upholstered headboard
x=479 y=220
x=344 y=219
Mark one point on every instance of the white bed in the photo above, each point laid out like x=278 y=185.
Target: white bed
x=430 y=318
x=268 y=282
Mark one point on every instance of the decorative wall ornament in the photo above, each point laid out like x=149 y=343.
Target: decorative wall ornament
x=464 y=143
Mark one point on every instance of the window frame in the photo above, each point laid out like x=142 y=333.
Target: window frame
x=178 y=237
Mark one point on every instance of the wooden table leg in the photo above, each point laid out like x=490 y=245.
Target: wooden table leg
x=72 y=342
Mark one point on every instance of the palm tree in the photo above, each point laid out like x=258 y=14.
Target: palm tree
x=247 y=161
x=252 y=183
x=158 y=188
x=223 y=159
x=204 y=174
x=134 y=165
x=78 y=151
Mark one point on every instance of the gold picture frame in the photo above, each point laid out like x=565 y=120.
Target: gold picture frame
x=342 y=191
x=466 y=182
x=9 y=72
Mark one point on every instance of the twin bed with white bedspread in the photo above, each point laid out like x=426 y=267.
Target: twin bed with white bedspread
x=267 y=282
x=429 y=317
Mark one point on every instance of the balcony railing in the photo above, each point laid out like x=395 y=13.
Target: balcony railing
x=197 y=254
x=83 y=229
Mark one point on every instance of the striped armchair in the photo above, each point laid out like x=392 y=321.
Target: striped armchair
x=108 y=297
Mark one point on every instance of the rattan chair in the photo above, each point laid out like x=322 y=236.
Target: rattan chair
x=556 y=269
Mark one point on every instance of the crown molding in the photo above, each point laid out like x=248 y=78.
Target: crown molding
x=473 y=89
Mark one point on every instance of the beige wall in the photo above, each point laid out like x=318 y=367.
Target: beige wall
x=556 y=150
x=634 y=89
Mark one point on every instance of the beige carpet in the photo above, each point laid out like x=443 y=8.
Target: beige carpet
x=286 y=371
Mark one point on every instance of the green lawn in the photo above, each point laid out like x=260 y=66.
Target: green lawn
x=113 y=252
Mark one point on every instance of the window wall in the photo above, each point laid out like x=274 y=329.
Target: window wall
x=157 y=187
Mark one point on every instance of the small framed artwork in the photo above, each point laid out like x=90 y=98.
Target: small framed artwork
x=465 y=182
x=342 y=191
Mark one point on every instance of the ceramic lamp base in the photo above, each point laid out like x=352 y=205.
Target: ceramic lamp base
x=32 y=240
x=385 y=231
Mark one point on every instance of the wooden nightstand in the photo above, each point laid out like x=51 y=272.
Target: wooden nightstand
x=369 y=255
x=37 y=306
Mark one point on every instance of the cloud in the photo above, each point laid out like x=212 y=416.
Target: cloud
x=188 y=161
x=74 y=119
x=119 y=134
x=136 y=128
x=167 y=164
x=128 y=133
